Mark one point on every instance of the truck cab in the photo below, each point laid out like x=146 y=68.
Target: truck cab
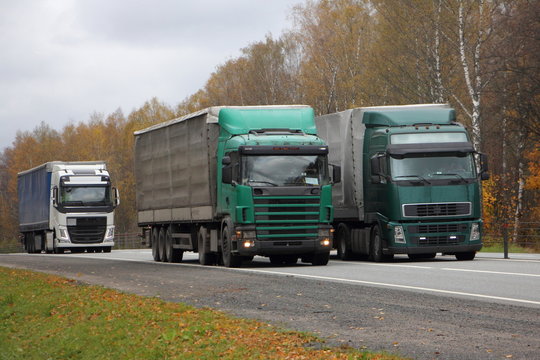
x=276 y=187
x=67 y=206
x=423 y=186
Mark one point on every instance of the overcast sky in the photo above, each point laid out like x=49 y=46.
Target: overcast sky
x=62 y=60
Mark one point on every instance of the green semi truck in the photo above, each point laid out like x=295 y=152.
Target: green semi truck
x=234 y=182
x=410 y=182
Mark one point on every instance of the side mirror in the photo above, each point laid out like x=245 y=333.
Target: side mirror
x=55 y=196
x=375 y=170
x=226 y=174
x=116 y=197
x=484 y=175
x=336 y=174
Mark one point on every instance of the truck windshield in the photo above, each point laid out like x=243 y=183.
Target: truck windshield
x=284 y=170
x=85 y=195
x=433 y=167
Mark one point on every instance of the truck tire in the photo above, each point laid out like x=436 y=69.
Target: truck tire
x=344 y=242
x=173 y=255
x=466 y=256
x=29 y=242
x=161 y=245
x=229 y=259
x=283 y=259
x=422 y=256
x=203 y=247
x=376 y=246
x=155 y=243
x=320 y=259
x=58 y=250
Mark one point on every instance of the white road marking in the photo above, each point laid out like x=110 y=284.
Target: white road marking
x=329 y=278
x=394 y=286
x=492 y=272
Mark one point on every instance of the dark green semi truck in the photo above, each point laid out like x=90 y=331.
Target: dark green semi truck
x=234 y=182
x=410 y=182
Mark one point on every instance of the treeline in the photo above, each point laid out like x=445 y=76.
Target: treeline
x=481 y=56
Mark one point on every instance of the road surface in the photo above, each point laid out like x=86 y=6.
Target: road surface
x=488 y=308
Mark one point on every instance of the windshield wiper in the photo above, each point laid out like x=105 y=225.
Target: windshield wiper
x=416 y=176
x=262 y=182
x=73 y=203
x=461 y=178
x=99 y=202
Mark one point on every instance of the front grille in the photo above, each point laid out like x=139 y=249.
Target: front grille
x=437 y=228
x=286 y=217
x=437 y=240
x=437 y=209
x=87 y=230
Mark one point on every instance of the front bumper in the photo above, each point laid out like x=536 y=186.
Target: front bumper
x=448 y=237
x=282 y=247
x=449 y=249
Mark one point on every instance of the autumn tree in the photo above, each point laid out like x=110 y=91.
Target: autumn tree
x=334 y=36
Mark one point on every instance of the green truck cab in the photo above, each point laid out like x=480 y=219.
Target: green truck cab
x=235 y=182
x=410 y=182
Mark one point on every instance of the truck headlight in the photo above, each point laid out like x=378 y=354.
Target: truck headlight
x=399 y=234
x=109 y=236
x=324 y=233
x=475 y=232
x=63 y=235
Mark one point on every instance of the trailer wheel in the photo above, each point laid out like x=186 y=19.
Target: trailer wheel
x=203 y=247
x=229 y=259
x=155 y=243
x=376 y=246
x=344 y=242
x=173 y=255
x=29 y=242
x=161 y=245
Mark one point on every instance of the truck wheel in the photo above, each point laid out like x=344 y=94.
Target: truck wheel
x=107 y=249
x=161 y=245
x=173 y=255
x=375 y=248
x=155 y=243
x=466 y=256
x=320 y=259
x=203 y=247
x=422 y=256
x=229 y=259
x=29 y=242
x=283 y=259
x=344 y=242
x=58 y=250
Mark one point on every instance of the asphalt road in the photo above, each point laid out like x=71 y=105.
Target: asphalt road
x=488 y=308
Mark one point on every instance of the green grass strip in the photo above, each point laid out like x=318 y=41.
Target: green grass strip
x=48 y=317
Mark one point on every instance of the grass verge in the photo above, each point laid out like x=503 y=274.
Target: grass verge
x=48 y=317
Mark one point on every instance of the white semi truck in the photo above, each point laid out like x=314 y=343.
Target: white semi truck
x=67 y=206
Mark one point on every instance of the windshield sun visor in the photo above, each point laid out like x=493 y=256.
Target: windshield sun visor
x=284 y=150
x=400 y=151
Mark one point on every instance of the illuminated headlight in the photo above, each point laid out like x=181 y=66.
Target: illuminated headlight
x=248 y=243
x=63 y=235
x=399 y=235
x=109 y=236
x=326 y=242
x=475 y=232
